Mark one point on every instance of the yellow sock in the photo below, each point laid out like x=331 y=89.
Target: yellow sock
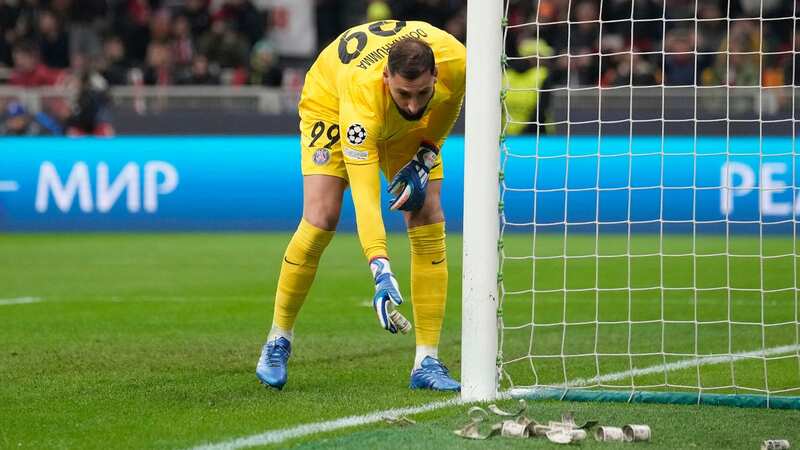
x=428 y=281
x=298 y=269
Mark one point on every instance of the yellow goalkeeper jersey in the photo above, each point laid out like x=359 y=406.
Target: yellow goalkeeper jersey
x=345 y=87
x=350 y=126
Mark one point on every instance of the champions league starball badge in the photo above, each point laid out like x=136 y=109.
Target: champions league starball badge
x=321 y=156
x=356 y=134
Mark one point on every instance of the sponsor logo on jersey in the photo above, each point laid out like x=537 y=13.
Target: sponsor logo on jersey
x=321 y=156
x=356 y=134
x=355 y=154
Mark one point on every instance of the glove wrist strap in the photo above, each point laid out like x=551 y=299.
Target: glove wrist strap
x=379 y=265
x=427 y=155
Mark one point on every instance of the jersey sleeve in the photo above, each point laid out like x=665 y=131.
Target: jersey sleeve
x=366 y=189
x=360 y=129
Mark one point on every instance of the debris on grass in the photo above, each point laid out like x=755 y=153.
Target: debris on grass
x=523 y=406
x=565 y=436
x=775 y=444
x=471 y=430
x=636 y=433
x=564 y=432
x=400 y=421
x=516 y=428
x=610 y=434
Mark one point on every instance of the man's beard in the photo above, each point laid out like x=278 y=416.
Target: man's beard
x=413 y=117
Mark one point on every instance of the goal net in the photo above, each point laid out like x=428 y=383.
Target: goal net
x=648 y=200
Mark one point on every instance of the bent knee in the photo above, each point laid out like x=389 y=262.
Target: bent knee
x=323 y=218
x=431 y=212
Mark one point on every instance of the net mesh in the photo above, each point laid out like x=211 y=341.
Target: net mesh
x=649 y=196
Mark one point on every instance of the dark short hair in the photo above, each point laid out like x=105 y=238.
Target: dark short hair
x=410 y=58
x=27 y=46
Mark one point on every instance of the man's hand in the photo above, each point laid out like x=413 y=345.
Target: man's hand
x=408 y=186
x=387 y=293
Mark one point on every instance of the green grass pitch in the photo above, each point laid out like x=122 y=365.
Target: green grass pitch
x=150 y=341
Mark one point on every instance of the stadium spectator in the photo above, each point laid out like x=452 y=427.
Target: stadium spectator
x=114 y=66
x=8 y=20
x=378 y=10
x=5 y=52
x=584 y=35
x=17 y=121
x=134 y=24
x=161 y=27
x=457 y=25
x=62 y=10
x=736 y=69
x=243 y=17
x=224 y=46
x=745 y=63
x=200 y=73
x=158 y=71
x=679 y=68
x=524 y=78
x=53 y=41
x=792 y=65
x=24 y=25
x=710 y=36
x=182 y=44
x=87 y=19
x=680 y=9
x=91 y=115
x=329 y=21
x=29 y=71
x=435 y=12
x=630 y=70
x=713 y=31
x=292 y=29
x=264 y=70
x=196 y=12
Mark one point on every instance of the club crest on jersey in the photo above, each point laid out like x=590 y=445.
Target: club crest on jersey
x=356 y=134
x=321 y=156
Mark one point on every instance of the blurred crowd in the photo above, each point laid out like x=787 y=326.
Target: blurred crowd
x=557 y=44
x=91 y=45
x=178 y=42
x=198 y=42
x=630 y=43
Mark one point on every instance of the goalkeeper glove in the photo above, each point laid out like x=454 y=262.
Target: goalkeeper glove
x=408 y=186
x=387 y=296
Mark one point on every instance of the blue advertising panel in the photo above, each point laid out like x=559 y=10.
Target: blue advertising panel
x=254 y=183
x=644 y=180
x=169 y=183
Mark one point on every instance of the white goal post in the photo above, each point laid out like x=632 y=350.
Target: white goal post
x=481 y=196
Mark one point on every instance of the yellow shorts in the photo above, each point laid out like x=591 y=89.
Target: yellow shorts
x=322 y=151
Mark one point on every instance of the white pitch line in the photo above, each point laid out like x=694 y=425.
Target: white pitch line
x=279 y=436
x=19 y=300
x=8 y=186
x=684 y=364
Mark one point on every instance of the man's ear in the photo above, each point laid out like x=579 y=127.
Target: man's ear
x=386 y=76
x=435 y=71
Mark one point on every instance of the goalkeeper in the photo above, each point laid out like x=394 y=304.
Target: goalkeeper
x=381 y=98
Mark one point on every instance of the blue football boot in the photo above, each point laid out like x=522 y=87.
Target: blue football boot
x=433 y=375
x=271 y=368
